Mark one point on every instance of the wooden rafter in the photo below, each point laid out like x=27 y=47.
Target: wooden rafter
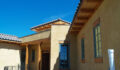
x=87 y=10
x=76 y=28
x=74 y=32
x=37 y=41
x=48 y=25
x=83 y=18
x=95 y=1
x=42 y=28
x=77 y=25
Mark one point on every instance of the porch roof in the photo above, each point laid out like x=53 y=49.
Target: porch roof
x=85 y=10
x=9 y=39
x=37 y=37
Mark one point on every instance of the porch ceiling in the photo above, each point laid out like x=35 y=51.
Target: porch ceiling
x=84 y=11
x=43 y=43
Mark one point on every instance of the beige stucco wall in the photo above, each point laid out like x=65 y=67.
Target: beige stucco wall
x=109 y=13
x=73 y=52
x=9 y=55
x=40 y=35
x=58 y=33
x=36 y=64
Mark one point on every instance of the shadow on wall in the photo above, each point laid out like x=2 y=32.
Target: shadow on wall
x=56 y=65
x=71 y=52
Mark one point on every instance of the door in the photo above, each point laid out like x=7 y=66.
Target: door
x=45 y=61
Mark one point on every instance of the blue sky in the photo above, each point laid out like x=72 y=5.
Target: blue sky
x=18 y=16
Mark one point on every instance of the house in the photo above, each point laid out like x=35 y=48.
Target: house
x=59 y=45
x=9 y=52
x=95 y=29
x=43 y=47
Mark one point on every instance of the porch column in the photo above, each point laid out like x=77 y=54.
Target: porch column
x=39 y=56
x=26 y=59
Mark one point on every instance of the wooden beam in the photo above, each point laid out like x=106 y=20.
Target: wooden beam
x=76 y=25
x=79 y=24
x=39 y=56
x=37 y=41
x=95 y=1
x=87 y=10
x=7 y=41
x=42 y=29
x=82 y=18
x=26 y=59
x=74 y=32
x=47 y=25
x=76 y=28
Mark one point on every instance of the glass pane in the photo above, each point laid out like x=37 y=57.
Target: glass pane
x=98 y=27
x=99 y=37
x=96 y=31
x=33 y=55
x=63 y=55
x=100 y=52
x=96 y=38
x=64 y=61
x=82 y=48
x=97 y=49
x=98 y=41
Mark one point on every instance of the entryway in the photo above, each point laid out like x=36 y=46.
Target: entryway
x=45 y=61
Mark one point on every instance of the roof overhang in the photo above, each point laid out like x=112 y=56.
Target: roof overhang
x=37 y=37
x=37 y=41
x=84 y=12
x=47 y=25
x=11 y=42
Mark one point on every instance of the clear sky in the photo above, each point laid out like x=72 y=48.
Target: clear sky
x=18 y=16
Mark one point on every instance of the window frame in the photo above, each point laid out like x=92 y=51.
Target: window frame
x=97 y=39
x=83 y=50
x=68 y=56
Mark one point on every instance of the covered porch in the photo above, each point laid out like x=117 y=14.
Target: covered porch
x=37 y=51
x=37 y=55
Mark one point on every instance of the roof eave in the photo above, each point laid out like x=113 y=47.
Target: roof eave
x=7 y=41
x=49 y=23
x=82 y=2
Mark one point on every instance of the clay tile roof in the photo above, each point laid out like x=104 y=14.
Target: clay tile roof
x=9 y=37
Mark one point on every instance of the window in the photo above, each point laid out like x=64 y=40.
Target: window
x=97 y=41
x=33 y=55
x=82 y=49
x=64 y=56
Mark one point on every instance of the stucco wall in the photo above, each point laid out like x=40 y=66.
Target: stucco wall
x=9 y=55
x=58 y=33
x=109 y=13
x=73 y=52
